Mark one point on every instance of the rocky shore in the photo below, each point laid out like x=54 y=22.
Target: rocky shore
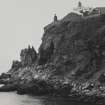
x=76 y=91
x=70 y=61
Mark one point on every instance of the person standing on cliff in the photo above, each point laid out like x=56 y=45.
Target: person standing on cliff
x=55 y=18
x=79 y=4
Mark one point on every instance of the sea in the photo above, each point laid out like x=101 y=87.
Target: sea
x=12 y=98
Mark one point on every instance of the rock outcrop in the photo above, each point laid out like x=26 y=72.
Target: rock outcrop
x=70 y=61
x=28 y=56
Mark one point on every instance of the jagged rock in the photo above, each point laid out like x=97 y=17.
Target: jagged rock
x=5 y=78
x=28 y=56
x=8 y=88
x=5 y=75
x=16 y=65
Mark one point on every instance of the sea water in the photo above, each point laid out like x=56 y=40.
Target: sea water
x=11 y=98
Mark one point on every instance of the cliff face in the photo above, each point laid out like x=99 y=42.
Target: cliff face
x=72 y=49
x=78 y=46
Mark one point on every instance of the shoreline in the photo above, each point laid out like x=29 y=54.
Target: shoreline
x=74 y=96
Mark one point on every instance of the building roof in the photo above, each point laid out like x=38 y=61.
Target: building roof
x=101 y=9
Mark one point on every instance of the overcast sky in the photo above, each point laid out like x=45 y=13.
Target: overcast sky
x=22 y=22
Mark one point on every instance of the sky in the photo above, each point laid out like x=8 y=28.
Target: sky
x=22 y=23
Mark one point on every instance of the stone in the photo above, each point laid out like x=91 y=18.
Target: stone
x=28 y=56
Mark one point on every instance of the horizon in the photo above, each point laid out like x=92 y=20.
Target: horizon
x=22 y=23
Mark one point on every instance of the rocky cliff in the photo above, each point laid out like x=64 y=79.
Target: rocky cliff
x=75 y=45
x=71 y=58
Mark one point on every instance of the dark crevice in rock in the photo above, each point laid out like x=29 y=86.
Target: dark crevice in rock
x=45 y=54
